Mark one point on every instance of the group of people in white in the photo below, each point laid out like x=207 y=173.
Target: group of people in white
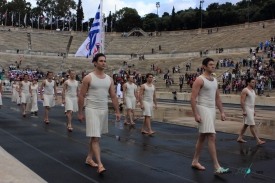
x=96 y=87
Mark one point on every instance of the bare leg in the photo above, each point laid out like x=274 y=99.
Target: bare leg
x=199 y=147
x=69 y=115
x=96 y=150
x=259 y=141
x=240 y=138
x=24 y=108
x=148 y=124
x=212 y=149
x=133 y=112
x=143 y=126
x=130 y=116
x=90 y=152
x=47 y=113
x=126 y=117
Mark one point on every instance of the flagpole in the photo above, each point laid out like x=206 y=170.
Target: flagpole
x=6 y=18
x=12 y=19
x=102 y=23
x=32 y=21
x=19 y=19
x=51 y=22
x=38 y=22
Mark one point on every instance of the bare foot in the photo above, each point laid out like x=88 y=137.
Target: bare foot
x=198 y=166
x=132 y=123
x=260 y=142
x=144 y=132
x=241 y=140
x=126 y=123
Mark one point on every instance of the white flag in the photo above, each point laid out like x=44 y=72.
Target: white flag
x=90 y=47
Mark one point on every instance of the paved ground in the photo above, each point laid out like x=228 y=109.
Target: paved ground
x=58 y=156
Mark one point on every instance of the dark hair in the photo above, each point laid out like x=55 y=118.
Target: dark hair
x=71 y=71
x=25 y=75
x=249 y=80
x=130 y=75
x=49 y=73
x=147 y=75
x=95 y=59
x=206 y=61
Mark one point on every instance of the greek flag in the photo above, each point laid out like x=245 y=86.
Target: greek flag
x=93 y=42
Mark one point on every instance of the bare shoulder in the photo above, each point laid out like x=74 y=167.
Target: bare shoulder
x=199 y=81
x=244 y=91
x=87 y=79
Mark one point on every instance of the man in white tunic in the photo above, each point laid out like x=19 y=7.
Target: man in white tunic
x=25 y=93
x=205 y=88
x=248 y=107
x=147 y=96
x=130 y=99
x=48 y=98
x=97 y=85
x=69 y=98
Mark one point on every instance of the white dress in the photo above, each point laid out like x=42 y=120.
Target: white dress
x=130 y=97
x=14 y=93
x=33 y=105
x=25 y=92
x=249 y=104
x=206 y=102
x=48 y=94
x=96 y=110
x=147 y=100
x=71 y=96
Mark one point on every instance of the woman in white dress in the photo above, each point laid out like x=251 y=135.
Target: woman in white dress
x=14 y=92
x=33 y=105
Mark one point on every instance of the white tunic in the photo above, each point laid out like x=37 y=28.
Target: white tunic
x=71 y=96
x=249 y=104
x=206 y=102
x=130 y=97
x=25 y=92
x=118 y=91
x=148 y=100
x=96 y=110
x=48 y=94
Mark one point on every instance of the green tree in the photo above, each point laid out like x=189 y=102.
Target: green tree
x=109 y=20
x=79 y=15
x=126 y=19
x=150 y=22
x=173 y=19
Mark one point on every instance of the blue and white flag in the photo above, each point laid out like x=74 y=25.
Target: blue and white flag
x=90 y=47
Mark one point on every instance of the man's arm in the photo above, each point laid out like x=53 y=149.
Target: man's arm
x=243 y=97
x=63 y=92
x=55 y=91
x=114 y=99
x=195 y=91
x=41 y=88
x=124 y=92
x=84 y=88
x=140 y=95
x=30 y=89
x=155 y=98
x=136 y=94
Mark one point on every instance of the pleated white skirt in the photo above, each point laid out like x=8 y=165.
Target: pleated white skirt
x=130 y=102
x=148 y=109
x=48 y=101
x=14 y=95
x=25 y=98
x=249 y=118
x=96 y=122
x=71 y=104
x=208 y=117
